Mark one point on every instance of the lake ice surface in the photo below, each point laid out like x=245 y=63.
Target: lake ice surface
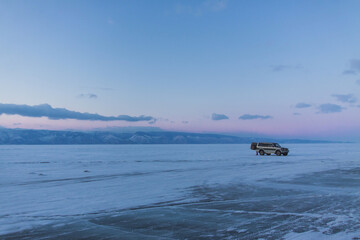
x=179 y=192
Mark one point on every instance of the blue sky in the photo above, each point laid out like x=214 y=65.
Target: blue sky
x=251 y=63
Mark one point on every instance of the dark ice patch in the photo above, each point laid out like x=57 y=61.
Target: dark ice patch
x=232 y=211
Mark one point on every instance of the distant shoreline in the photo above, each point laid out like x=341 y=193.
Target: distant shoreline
x=51 y=137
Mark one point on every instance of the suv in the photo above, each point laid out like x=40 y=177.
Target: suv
x=269 y=148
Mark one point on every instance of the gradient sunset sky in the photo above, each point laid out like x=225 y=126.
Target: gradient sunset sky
x=279 y=68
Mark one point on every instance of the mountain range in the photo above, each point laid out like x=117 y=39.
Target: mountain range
x=31 y=137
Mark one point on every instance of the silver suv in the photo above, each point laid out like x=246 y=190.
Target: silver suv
x=269 y=148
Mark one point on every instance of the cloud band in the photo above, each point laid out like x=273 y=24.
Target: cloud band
x=45 y=110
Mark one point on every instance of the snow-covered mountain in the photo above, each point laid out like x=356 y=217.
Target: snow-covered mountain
x=25 y=136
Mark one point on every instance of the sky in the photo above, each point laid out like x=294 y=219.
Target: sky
x=275 y=68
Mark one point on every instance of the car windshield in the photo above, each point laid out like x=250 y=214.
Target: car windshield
x=277 y=145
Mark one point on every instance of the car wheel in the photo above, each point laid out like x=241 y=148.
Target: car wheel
x=278 y=153
x=285 y=154
x=261 y=152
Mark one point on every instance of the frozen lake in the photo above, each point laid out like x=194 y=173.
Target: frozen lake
x=179 y=192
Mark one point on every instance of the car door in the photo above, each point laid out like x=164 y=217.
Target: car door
x=267 y=148
x=272 y=148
